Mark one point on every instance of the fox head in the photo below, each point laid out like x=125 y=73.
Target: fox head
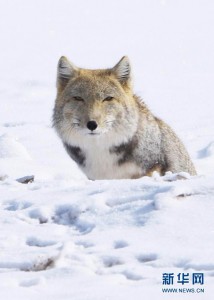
x=95 y=103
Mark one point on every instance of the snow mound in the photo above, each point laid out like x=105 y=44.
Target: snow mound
x=11 y=148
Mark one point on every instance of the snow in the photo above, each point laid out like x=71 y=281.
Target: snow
x=66 y=237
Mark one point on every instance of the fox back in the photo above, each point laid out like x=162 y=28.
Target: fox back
x=109 y=131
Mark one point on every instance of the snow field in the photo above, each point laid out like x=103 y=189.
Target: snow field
x=127 y=232
x=63 y=236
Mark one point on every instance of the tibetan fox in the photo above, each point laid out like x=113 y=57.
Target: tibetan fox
x=108 y=130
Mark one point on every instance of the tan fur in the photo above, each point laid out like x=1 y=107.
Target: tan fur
x=128 y=141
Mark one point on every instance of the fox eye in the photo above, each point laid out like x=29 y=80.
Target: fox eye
x=109 y=98
x=77 y=98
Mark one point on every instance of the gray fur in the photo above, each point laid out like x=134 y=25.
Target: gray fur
x=75 y=153
x=125 y=151
x=129 y=141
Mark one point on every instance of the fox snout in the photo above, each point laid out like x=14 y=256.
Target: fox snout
x=92 y=125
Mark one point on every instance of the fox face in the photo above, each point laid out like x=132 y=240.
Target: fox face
x=95 y=104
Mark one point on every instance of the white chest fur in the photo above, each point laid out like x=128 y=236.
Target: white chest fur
x=101 y=163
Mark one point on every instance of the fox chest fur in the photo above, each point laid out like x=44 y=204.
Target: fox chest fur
x=107 y=130
x=99 y=160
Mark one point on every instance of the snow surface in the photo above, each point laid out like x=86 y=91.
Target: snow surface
x=63 y=236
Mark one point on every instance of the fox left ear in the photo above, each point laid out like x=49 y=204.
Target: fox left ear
x=65 y=71
x=122 y=70
x=65 y=68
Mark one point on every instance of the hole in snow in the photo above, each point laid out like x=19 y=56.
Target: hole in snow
x=111 y=261
x=120 y=244
x=34 y=242
x=16 y=205
x=144 y=258
x=85 y=244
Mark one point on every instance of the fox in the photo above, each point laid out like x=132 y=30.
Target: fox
x=108 y=130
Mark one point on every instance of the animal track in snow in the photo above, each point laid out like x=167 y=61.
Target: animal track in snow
x=17 y=205
x=144 y=258
x=111 y=261
x=85 y=244
x=188 y=264
x=71 y=216
x=14 y=124
x=43 y=214
x=66 y=215
x=31 y=282
x=34 y=242
x=120 y=244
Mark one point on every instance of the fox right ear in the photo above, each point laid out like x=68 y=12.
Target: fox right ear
x=65 y=71
x=122 y=70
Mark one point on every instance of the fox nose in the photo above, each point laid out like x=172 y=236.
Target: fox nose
x=92 y=125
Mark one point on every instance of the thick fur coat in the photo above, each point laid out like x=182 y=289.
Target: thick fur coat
x=108 y=130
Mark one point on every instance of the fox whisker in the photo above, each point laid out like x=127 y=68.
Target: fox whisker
x=108 y=122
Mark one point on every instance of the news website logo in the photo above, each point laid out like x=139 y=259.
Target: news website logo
x=183 y=282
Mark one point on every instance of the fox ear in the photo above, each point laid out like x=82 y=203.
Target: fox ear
x=122 y=70
x=65 y=68
x=65 y=71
